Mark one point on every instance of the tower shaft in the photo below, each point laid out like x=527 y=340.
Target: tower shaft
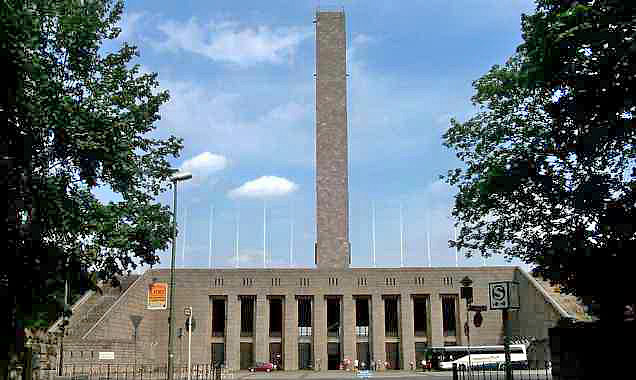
x=332 y=193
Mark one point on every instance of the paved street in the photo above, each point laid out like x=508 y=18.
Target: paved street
x=443 y=375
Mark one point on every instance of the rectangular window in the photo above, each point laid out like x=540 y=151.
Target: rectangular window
x=362 y=312
x=420 y=315
x=275 y=317
x=247 y=316
x=449 y=315
x=333 y=317
x=304 y=312
x=391 y=317
x=218 y=317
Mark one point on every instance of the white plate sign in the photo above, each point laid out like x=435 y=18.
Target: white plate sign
x=106 y=356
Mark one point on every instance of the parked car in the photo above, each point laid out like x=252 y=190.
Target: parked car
x=265 y=366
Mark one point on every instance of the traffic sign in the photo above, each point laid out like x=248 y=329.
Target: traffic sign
x=478 y=319
x=503 y=295
x=194 y=323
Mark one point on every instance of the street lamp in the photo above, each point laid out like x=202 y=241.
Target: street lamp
x=466 y=292
x=176 y=177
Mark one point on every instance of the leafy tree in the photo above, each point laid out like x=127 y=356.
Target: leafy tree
x=550 y=155
x=76 y=119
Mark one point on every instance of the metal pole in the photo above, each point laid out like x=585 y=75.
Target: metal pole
x=373 y=230
x=468 y=335
x=506 y=321
x=189 y=346
x=171 y=296
x=264 y=236
x=401 y=238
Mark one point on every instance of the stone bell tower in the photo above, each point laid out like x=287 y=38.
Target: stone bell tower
x=332 y=184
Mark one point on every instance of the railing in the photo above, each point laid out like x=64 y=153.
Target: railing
x=362 y=330
x=304 y=331
x=520 y=371
x=148 y=372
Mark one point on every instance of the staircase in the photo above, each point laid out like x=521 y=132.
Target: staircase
x=87 y=315
x=569 y=302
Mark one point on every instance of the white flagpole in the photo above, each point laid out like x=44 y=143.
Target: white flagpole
x=428 y=244
x=185 y=236
x=236 y=241
x=401 y=238
x=210 y=236
x=455 y=238
x=291 y=239
x=264 y=236
x=373 y=230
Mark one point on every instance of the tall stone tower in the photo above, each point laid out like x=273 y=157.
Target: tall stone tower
x=332 y=185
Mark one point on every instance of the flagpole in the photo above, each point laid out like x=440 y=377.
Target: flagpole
x=291 y=239
x=401 y=237
x=264 y=236
x=210 y=236
x=373 y=230
x=455 y=238
x=185 y=236
x=428 y=237
x=236 y=241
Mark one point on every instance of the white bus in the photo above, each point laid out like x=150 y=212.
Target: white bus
x=491 y=356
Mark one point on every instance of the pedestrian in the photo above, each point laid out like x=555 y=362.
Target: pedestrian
x=372 y=365
x=411 y=364
x=423 y=362
x=355 y=365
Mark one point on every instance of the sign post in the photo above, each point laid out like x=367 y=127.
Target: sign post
x=504 y=295
x=188 y=312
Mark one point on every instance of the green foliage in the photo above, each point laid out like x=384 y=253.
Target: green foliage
x=550 y=157
x=77 y=119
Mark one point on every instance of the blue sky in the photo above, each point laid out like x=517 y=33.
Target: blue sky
x=240 y=76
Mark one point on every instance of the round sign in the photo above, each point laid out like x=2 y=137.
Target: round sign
x=478 y=319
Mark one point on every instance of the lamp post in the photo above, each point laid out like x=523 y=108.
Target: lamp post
x=175 y=178
x=466 y=292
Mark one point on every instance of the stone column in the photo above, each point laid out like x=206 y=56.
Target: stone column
x=261 y=336
x=407 y=331
x=233 y=332
x=290 y=338
x=319 y=331
x=462 y=340
x=378 y=353
x=436 y=326
x=348 y=327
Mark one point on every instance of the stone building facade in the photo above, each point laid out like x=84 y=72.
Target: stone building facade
x=314 y=317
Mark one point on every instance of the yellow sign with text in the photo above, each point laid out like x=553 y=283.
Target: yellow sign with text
x=158 y=296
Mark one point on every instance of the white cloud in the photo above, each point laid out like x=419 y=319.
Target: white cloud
x=361 y=39
x=229 y=42
x=129 y=25
x=204 y=164
x=247 y=258
x=205 y=168
x=264 y=187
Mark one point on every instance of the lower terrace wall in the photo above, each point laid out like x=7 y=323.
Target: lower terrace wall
x=114 y=332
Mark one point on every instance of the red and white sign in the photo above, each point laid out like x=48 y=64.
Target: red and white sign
x=158 y=296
